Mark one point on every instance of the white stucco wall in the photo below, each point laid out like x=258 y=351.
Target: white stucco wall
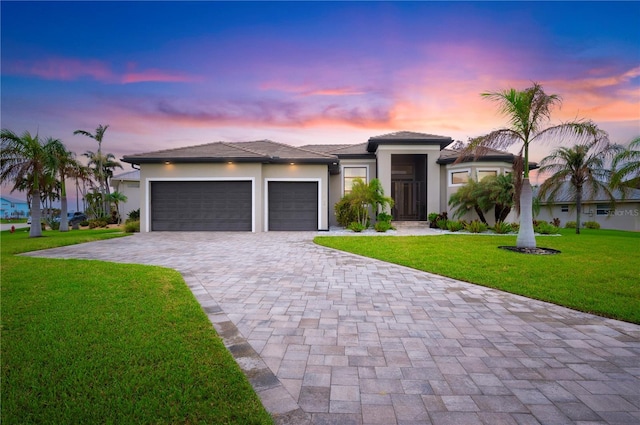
x=625 y=216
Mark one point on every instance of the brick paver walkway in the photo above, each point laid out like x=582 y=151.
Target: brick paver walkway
x=332 y=338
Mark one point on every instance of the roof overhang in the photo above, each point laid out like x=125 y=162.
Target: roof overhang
x=372 y=145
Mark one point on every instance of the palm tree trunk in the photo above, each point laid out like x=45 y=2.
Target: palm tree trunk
x=36 y=228
x=578 y=209
x=526 y=236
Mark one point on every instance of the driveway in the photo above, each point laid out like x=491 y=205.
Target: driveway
x=327 y=337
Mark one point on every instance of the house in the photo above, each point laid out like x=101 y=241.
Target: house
x=13 y=208
x=129 y=185
x=624 y=215
x=265 y=186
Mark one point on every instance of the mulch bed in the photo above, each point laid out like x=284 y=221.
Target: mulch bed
x=534 y=251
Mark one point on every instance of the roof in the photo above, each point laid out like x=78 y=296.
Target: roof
x=342 y=151
x=265 y=151
x=449 y=156
x=407 y=138
x=13 y=200
x=566 y=195
x=133 y=175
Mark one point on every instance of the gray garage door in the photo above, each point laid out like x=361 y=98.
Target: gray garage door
x=206 y=205
x=293 y=206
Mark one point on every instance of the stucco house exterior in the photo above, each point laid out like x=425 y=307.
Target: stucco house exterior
x=265 y=186
x=624 y=215
x=13 y=207
x=129 y=185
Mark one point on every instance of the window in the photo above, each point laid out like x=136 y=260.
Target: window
x=458 y=178
x=603 y=209
x=564 y=208
x=352 y=173
x=486 y=173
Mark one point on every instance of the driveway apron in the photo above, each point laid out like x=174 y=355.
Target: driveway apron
x=327 y=337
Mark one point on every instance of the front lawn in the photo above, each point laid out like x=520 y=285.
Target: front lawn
x=598 y=271
x=97 y=342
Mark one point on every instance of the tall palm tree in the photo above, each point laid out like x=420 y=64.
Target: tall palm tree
x=108 y=163
x=583 y=167
x=24 y=159
x=527 y=111
x=64 y=164
x=98 y=136
x=626 y=165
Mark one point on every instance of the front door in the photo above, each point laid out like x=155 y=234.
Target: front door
x=409 y=187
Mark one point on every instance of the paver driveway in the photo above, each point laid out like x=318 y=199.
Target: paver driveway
x=332 y=338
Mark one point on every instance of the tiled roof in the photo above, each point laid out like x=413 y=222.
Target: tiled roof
x=339 y=150
x=409 y=135
x=256 y=151
x=13 y=200
x=452 y=155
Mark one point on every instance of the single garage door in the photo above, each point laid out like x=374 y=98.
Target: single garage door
x=293 y=205
x=201 y=205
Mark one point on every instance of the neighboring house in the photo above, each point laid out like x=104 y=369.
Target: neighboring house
x=625 y=215
x=13 y=208
x=264 y=186
x=129 y=185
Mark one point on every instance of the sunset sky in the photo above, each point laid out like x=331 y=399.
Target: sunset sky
x=169 y=74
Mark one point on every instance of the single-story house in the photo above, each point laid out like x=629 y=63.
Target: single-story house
x=265 y=186
x=623 y=215
x=129 y=185
x=13 y=208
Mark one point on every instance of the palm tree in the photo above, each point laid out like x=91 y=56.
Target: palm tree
x=108 y=163
x=65 y=164
x=470 y=197
x=499 y=192
x=627 y=167
x=116 y=198
x=24 y=162
x=583 y=167
x=527 y=110
x=98 y=136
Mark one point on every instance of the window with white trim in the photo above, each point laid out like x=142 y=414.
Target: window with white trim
x=458 y=178
x=486 y=173
x=350 y=174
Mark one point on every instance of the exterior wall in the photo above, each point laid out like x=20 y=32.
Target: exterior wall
x=257 y=173
x=10 y=208
x=472 y=168
x=433 y=169
x=130 y=189
x=625 y=216
x=336 y=183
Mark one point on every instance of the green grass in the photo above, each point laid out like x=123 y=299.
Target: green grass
x=12 y=220
x=96 y=342
x=597 y=272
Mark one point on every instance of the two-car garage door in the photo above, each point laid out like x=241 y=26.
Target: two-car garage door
x=227 y=205
x=201 y=205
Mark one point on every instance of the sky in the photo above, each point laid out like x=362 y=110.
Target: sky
x=170 y=74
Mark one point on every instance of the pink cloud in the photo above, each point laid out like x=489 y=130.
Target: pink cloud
x=311 y=90
x=70 y=69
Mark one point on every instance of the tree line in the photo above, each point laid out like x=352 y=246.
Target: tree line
x=41 y=168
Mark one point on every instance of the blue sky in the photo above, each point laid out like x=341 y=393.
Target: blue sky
x=170 y=74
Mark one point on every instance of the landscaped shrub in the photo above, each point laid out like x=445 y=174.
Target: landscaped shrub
x=345 y=212
x=434 y=218
x=455 y=226
x=134 y=215
x=556 y=222
x=515 y=226
x=570 y=225
x=545 y=228
x=501 y=227
x=475 y=226
x=356 y=226
x=592 y=225
x=98 y=222
x=383 y=216
x=132 y=226
x=84 y=223
x=382 y=226
x=442 y=224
